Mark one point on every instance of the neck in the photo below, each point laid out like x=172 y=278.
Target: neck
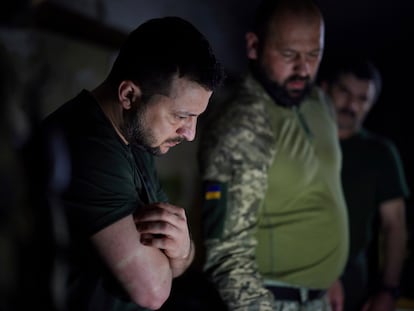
x=345 y=134
x=110 y=107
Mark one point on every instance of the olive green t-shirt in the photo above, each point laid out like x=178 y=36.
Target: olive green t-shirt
x=303 y=234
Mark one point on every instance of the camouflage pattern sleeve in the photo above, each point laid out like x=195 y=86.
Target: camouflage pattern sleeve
x=234 y=157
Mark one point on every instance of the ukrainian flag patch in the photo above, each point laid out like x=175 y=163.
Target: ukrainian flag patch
x=214 y=208
x=213 y=192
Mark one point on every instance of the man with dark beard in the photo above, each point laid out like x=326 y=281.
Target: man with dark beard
x=374 y=186
x=274 y=216
x=127 y=242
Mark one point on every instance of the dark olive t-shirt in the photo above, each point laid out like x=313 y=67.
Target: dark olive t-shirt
x=108 y=181
x=372 y=173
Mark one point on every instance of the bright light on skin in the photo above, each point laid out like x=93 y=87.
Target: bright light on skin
x=166 y=121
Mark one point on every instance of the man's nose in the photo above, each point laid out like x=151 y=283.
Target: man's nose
x=302 y=66
x=352 y=102
x=188 y=130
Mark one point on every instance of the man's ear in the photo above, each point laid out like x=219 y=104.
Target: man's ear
x=128 y=92
x=252 y=43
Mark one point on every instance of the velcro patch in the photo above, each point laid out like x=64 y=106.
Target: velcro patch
x=214 y=208
x=213 y=192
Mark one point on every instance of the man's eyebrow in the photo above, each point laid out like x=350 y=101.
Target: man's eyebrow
x=187 y=113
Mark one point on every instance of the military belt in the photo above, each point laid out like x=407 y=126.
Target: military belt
x=301 y=295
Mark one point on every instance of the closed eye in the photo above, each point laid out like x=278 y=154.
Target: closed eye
x=288 y=54
x=181 y=117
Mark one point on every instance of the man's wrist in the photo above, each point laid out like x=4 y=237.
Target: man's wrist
x=190 y=251
x=394 y=291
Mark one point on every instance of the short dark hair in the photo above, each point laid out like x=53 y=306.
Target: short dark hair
x=361 y=68
x=161 y=48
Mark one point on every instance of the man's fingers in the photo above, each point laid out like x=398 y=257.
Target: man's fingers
x=157 y=209
x=155 y=227
x=160 y=216
x=159 y=241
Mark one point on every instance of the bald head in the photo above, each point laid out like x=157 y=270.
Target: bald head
x=271 y=11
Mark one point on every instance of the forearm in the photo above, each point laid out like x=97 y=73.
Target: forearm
x=395 y=239
x=230 y=265
x=144 y=272
x=394 y=254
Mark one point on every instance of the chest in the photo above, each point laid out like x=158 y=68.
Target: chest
x=306 y=147
x=145 y=179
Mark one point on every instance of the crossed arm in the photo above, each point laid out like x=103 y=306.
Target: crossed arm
x=146 y=251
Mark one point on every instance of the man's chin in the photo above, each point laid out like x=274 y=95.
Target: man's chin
x=294 y=100
x=156 y=151
x=347 y=126
x=296 y=94
x=162 y=150
x=346 y=120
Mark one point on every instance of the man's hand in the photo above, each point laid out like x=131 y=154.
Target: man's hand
x=336 y=296
x=382 y=301
x=164 y=226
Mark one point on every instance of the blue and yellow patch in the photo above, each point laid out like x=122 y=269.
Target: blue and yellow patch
x=213 y=192
x=214 y=208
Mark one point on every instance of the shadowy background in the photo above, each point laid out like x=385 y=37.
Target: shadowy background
x=59 y=47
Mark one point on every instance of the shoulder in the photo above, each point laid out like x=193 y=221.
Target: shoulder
x=241 y=122
x=240 y=134
x=319 y=98
x=379 y=142
x=82 y=123
x=381 y=149
x=92 y=144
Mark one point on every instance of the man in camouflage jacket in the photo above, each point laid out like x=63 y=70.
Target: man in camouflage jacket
x=274 y=217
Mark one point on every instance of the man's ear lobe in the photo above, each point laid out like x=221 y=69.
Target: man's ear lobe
x=128 y=92
x=252 y=43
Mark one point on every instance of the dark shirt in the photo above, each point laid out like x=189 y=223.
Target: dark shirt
x=108 y=180
x=372 y=173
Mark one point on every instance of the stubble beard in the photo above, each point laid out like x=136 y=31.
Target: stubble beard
x=136 y=133
x=279 y=92
x=139 y=135
x=350 y=122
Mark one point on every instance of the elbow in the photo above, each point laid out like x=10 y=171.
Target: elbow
x=151 y=303
x=152 y=298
